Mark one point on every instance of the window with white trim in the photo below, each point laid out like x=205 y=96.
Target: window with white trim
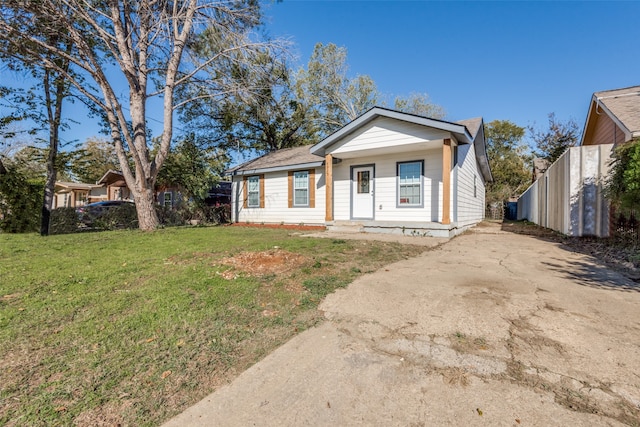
x=167 y=199
x=410 y=183
x=253 y=191
x=301 y=188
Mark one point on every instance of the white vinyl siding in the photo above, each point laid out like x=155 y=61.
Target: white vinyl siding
x=301 y=188
x=276 y=201
x=386 y=187
x=470 y=188
x=388 y=135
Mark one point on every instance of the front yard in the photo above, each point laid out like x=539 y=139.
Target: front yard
x=130 y=328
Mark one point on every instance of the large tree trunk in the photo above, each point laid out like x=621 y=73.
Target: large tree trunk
x=146 y=209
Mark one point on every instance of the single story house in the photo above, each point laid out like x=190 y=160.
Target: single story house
x=568 y=197
x=386 y=171
x=73 y=194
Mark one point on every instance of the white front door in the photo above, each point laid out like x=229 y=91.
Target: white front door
x=362 y=192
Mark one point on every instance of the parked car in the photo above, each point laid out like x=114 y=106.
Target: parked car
x=88 y=214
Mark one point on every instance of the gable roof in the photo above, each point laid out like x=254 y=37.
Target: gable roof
x=458 y=129
x=69 y=186
x=472 y=125
x=622 y=106
x=112 y=177
x=284 y=159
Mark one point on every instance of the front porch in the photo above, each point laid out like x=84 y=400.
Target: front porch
x=405 y=228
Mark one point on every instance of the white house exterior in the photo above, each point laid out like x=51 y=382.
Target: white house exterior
x=386 y=171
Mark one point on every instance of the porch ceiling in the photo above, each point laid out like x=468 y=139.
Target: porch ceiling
x=396 y=148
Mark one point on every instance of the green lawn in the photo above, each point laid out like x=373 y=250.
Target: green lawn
x=131 y=328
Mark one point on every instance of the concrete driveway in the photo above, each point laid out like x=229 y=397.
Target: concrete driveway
x=490 y=328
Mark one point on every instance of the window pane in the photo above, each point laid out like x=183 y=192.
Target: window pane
x=301 y=180
x=254 y=183
x=300 y=198
x=301 y=188
x=410 y=183
x=253 y=190
x=363 y=182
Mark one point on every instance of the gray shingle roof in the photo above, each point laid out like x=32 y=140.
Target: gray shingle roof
x=277 y=159
x=624 y=104
x=472 y=125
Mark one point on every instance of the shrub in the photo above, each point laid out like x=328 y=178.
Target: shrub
x=20 y=203
x=168 y=216
x=63 y=221
x=118 y=217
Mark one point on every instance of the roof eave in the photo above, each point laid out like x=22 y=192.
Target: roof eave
x=243 y=172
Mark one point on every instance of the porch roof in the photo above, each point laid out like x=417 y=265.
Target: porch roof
x=461 y=133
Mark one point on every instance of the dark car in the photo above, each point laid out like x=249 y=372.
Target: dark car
x=88 y=214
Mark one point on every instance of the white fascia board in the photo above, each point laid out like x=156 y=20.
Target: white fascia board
x=460 y=131
x=275 y=169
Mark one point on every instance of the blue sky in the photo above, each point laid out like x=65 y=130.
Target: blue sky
x=500 y=60
x=503 y=60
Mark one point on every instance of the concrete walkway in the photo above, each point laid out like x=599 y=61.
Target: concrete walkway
x=490 y=328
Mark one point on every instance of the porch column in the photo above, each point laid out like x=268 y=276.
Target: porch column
x=446 y=182
x=328 y=178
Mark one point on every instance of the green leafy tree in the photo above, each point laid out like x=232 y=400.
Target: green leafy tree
x=43 y=103
x=334 y=99
x=93 y=159
x=419 y=104
x=263 y=116
x=509 y=160
x=551 y=143
x=193 y=168
x=622 y=186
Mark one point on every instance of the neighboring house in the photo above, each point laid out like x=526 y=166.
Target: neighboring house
x=115 y=185
x=613 y=118
x=569 y=197
x=72 y=194
x=112 y=186
x=117 y=189
x=385 y=171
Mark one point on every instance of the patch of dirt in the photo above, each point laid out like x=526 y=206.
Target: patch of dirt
x=274 y=261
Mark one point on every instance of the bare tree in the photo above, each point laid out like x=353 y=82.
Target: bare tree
x=148 y=41
x=334 y=98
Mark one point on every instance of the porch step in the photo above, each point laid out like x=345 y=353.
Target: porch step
x=346 y=227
